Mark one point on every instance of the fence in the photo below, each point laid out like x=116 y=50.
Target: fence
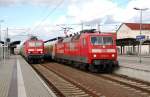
x=4 y=52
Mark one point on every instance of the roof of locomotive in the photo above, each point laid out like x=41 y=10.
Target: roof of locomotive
x=77 y=36
x=33 y=38
x=29 y=40
x=84 y=33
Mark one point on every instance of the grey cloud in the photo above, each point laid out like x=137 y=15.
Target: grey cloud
x=32 y=2
x=107 y=23
x=8 y=2
x=105 y=20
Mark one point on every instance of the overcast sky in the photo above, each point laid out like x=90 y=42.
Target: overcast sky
x=44 y=18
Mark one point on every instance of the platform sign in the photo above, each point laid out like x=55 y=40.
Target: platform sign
x=140 y=37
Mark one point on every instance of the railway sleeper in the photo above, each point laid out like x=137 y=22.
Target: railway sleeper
x=146 y=87
x=74 y=92
x=68 y=89
x=70 y=95
x=62 y=83
x=68 y=86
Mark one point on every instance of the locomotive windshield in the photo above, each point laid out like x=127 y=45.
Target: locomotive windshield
x=100 y=40
x=35 y=44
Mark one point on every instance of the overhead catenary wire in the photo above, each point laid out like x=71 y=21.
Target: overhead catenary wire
x=55 y=8
x=50 y=13
x=105 y=11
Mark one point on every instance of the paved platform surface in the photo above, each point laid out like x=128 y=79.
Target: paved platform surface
x=131 y=67
x=133 y=62
x=18 y=79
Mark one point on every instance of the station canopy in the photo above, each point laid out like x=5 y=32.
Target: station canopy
x=127 y=42
x=14 y=43
x=1 y=42
x=130 y=42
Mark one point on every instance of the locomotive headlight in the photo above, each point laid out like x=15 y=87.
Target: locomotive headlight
x=94 y=55
x=113 y=55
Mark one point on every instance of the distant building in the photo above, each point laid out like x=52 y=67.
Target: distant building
x=127 y=33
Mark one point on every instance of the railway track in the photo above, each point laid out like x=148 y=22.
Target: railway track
x=135 y=68
x=63 y=86
x=138 y=85
x=128 y=82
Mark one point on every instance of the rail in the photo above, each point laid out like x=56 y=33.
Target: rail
x=62 y=86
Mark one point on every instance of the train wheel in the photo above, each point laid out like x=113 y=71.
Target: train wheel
x=77 y=65
x=92 y=68
x=101 y=68
x=72 y=64
x=30 y=61
x=109 y=68
x=84 y=66
x=63 y=61
x=40 y=61
x=116 y=66
x=58 y=60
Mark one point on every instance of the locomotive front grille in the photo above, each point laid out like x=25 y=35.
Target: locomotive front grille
x=102 y=62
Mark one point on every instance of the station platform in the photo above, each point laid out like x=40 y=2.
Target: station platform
x=18 y=79
x=133 y=62
x=130 y=66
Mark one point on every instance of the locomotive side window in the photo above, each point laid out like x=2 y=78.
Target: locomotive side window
x=99 y=40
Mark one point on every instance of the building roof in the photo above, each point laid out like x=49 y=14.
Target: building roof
x=14 y=43
x=136 y=26
x=2 y=42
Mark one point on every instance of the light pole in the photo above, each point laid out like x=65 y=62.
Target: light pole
x=140 y=9
x=99 y=27
x=1 y=46
x=0 y=28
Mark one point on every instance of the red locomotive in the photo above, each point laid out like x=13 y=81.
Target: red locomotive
x=89 y=49
x=33 y=50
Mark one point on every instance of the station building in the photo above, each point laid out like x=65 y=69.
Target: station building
x=127 y=41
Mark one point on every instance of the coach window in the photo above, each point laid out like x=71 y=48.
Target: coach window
x=84 y=41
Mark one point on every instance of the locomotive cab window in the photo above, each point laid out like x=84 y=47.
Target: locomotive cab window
x=107 y=40
x=100 y=40
x=96 y=40
x=35 y=44
x=31 y=44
